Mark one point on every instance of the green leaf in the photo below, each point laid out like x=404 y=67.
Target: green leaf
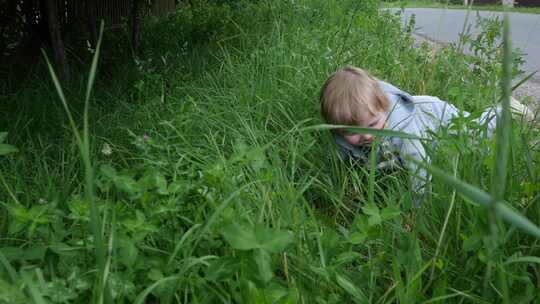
x=240 y=237
x=390 y=212
x=472 y=243
x=358 y=237
x=3 y=136
x=161 y=184
x=16 y=225
x=24 y=254
x=155 y=274
x=373 y=213
x=361 y=230
x=257 y=159
x=126 y=184
x=7 y=149
x=178 y=187
x=370 y=209
x=351 y=289
x=128 y=253
x=58 y=292
x=277 y=294
x=11 y=294
x=347 y=257
x=250 y=293
x=272 y=240
x=108 y=171
x=264 y=265
x=258 y=237
x=222 y=268
x=64 y=250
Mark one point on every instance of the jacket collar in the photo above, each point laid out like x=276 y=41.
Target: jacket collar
x=403 y=97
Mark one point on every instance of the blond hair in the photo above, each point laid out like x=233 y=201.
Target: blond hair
x=349 y=92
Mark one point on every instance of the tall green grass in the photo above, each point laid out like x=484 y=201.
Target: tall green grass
x=211 y=185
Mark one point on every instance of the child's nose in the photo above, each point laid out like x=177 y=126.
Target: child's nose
x=359 y=139
x=354 y=139
x=367 y=138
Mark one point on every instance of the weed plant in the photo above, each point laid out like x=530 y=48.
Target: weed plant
x=212 y=186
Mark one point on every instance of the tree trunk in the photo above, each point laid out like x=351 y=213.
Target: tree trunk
x=135 y=26
x=56 y=38
x=8 y=17
x=61 y=12
x=29 y=13
x=91 y=15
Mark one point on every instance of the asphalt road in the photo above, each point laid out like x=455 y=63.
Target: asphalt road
x=445 y=25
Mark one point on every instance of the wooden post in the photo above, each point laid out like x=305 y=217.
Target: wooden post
x=135 y=25
x=56 y=38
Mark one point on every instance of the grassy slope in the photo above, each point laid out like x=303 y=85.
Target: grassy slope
x=213 y=193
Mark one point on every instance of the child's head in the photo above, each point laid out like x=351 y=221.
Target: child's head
x=352 y=97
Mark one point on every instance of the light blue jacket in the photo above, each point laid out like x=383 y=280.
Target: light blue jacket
x=416 y=115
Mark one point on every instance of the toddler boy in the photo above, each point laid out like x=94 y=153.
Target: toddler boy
x=353 y=97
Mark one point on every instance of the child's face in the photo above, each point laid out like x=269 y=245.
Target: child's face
x=367 y=120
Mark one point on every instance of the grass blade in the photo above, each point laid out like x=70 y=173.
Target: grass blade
x=33 y=289
x=484 y=199
x=93 y=67
x=445 y=225
x=9 y=269
x=62 y=97
x=522 y=81
x=141 y=298
x=375 y=132
x=83 y=142
x=523 y=259
x=504 y=123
